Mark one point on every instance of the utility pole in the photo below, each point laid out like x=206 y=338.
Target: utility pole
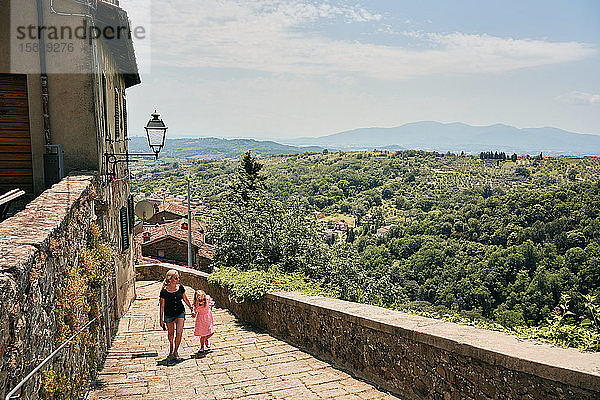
x=189 y=225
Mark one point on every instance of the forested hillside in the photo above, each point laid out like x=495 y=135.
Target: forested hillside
x=400 y=183
x=516 y=243
x=216 y=148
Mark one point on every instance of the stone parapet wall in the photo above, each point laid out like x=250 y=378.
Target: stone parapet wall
x=37 y=247
x=411 y=356
x=423 y=358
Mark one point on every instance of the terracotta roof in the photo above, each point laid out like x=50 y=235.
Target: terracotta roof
x=180 y=209
x=207 y=251
x=174 y=230
x=173 y=208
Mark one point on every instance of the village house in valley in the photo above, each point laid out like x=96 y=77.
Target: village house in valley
x=168 y=242
x=383 y=231
x=167 y=212
x=163 y=236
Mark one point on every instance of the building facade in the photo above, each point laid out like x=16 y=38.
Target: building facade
x=168 y=242
x=72 y=101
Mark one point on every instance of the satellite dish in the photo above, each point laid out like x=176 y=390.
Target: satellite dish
x=144 y=210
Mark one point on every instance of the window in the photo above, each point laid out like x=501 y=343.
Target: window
x=161 y=253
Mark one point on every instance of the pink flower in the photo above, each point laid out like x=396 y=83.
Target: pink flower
x=558 y=310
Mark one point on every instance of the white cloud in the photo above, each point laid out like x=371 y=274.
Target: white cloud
x=579 y=98
x=271 y=36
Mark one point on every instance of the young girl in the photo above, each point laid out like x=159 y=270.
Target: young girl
x=204 y=318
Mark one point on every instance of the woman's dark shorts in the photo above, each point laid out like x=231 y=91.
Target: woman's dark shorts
x=168 y=320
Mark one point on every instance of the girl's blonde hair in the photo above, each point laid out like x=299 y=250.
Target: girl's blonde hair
x=199 y=295
x=170 y=273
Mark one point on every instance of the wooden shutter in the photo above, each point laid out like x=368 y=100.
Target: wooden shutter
x=131 y=211
x=16 y=169
x=124 y=116
x=124 y=228
x=105 y=110
x=117 y=115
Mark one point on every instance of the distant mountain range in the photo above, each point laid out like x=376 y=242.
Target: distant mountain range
x=426 y=135
x=456 y=137
x=205 y=148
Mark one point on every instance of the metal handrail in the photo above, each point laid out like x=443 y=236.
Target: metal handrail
x=10 y=394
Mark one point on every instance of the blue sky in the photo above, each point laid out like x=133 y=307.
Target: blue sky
x=287 y=68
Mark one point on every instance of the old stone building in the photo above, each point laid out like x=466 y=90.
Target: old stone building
x=167 y=212
x=63 y=111
x=168 y=243
x=70 y=99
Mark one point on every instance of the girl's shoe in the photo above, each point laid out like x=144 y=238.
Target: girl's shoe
x=201 y=350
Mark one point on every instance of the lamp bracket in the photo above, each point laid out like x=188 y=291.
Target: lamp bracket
x=112 y=159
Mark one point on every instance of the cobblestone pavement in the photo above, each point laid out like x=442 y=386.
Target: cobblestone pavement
x=244 y=363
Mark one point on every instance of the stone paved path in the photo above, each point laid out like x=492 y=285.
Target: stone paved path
x=244 y=363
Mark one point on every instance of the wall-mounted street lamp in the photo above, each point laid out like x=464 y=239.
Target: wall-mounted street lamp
x=156 y=130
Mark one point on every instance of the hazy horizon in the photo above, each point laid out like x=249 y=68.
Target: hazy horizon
x=170 y=134
x=284 y=69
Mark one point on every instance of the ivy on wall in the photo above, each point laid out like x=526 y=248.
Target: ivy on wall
x=77 y=303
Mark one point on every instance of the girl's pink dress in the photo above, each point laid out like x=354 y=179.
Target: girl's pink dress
x=204 y=319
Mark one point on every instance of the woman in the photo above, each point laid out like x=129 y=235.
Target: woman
x=172 y=312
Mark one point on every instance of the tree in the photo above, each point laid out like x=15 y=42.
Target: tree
x=468 y=237
x=350 y=236
x=253 y=230
x=248 y=180
x=522 y=171
x=387 y=193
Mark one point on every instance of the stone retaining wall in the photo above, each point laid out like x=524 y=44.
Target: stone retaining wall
x=411 y=356
x=37 y=246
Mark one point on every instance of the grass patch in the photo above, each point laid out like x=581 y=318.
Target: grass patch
x=350 y=220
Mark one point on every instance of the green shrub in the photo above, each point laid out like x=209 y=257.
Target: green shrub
x=254 y=284
x=563 y=335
